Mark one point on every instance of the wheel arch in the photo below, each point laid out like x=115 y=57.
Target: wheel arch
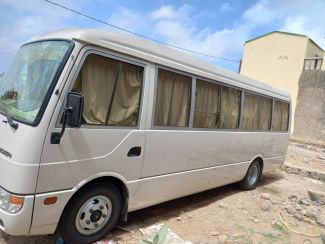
x=114 y=179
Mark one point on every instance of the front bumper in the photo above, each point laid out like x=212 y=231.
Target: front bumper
x=46 y=217
x=19 y=223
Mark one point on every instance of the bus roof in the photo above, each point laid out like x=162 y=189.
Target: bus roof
x=160 y=54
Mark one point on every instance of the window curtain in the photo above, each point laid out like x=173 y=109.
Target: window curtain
x=280 y=116
x=109 y=86
x=250 y=112
x=230 y=108
x=264 y=113
x=257 y=112
x=125 y=106
x=207 y=105
x=98 y=75
x=173 y=99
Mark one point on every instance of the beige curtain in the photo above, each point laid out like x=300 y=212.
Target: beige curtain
x=98 y=76
x=264 y=113
x=173 y=99
x=96 y=82
x=250 y=112
x=207 y=105
x=257 y=112
x=280 y=116
x=230 y=108
x=125 y=105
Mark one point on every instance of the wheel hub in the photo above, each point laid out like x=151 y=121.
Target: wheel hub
x=93 y=215
x=252 y=175
x=96 y=215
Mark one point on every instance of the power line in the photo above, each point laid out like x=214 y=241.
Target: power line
x=8 y=53
x=137 y=34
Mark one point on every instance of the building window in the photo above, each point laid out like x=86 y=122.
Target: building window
x=111 y=90
x=172 y=99
x=313 y=63
x=216 y=106
x=280 y=116
x=257 y=112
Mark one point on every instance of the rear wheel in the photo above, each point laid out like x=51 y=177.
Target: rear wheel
x=252 y=176
x=91 y=214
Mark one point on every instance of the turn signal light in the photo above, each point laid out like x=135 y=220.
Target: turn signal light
x=16 y=200
x=50 y=200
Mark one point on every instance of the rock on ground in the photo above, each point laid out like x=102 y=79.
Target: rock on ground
x=265 y=196
x=317 y=196
x=266 y=205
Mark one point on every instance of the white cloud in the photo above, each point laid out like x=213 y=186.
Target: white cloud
x=173 y=31
x=21 y=20
x=34 y=17
x=309 y=22
x=262 y=13
x=163 y=12
x=171 y=13
x=128 y=19
x=226 y=7
x=177 y=26
x=173 y=25
x=299 y=16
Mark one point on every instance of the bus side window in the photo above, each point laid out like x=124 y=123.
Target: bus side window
x=230 y=108
x=280 y=116
x=257 y=112
x=216 y=106
x=111 y=90
x=207 y=105
x=172 y=99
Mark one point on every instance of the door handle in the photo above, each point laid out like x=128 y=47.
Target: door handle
x=134 y=152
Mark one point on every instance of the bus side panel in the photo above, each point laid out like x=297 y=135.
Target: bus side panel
x=88 y=153
x=179 y=163
x=162 y=188
x=171 y=151
x=273 y=163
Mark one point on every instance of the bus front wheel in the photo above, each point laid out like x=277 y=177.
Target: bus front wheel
x=91 y=214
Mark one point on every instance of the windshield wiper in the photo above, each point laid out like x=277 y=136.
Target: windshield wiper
x=10 y=121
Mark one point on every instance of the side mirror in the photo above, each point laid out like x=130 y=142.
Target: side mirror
x=71 y=116
x=74 y=108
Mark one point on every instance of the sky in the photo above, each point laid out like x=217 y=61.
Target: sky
x=219 y=28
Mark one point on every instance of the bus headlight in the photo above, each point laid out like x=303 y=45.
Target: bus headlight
x=10 y=203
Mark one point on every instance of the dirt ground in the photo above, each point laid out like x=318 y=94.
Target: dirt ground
x=229 y=215
x=306 y=156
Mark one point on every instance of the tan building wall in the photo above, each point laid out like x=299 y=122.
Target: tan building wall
x=313 y=50
x=278 y=59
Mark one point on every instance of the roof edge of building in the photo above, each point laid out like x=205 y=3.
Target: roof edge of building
x=287 y=33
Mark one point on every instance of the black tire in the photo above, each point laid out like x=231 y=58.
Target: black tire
x=67 y=227
x=249 y=182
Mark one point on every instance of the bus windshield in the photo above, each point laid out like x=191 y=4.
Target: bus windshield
x=23 y=88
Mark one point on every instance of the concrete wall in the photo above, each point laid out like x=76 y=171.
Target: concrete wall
x=310 y=110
